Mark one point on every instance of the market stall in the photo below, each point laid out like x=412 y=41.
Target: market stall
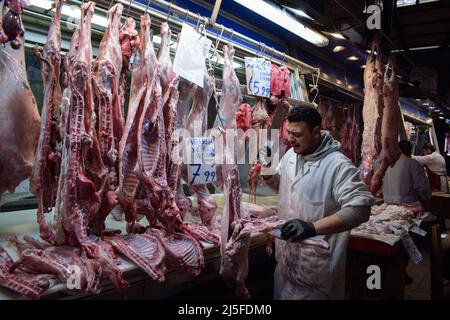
x=159 y=152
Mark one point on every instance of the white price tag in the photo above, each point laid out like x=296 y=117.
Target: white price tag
x=413 y=253
x=202 y=166
x=190 y=56
x=257 y=72
x=419 y=231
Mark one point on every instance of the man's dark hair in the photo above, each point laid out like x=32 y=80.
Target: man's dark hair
x=405 y=147
x=429 y=146
x=310 y=115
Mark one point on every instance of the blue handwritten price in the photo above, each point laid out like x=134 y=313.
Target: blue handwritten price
x=257 y=72
x=201 y=173
x=202 y=168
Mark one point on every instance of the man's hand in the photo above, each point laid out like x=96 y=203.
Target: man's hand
x=296 y=230
x=264 y=156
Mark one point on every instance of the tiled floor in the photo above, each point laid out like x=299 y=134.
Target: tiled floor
x=420 y=288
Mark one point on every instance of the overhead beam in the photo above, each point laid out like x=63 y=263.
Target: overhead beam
x=215 y=12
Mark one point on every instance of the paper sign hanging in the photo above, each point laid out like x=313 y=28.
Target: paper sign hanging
x=190 y=56
x=257 y=72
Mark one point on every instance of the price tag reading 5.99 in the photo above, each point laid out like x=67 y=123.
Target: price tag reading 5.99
x=257 y=72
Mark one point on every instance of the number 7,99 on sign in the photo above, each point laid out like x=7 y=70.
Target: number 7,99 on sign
x=201 y=174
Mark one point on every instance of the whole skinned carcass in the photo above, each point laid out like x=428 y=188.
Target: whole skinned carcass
x=186 y=94
x=234 y=265
x=143 y=78
x=390 y=151
x=18 y=114
x=153 y=140
x=45 y=175
x=105 y=75
x=78 y=199
x=196 y=125
x=372 y=113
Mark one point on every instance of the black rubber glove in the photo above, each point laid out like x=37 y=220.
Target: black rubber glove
x=296 y=230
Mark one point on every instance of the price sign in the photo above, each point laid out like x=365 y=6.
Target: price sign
x=202 y=166
x=257 y=72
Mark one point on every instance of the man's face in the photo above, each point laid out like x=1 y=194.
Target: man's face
x=303 y=138
x=427 y=151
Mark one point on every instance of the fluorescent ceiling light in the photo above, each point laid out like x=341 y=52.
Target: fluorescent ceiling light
x=44 y=4
x=338 y=48
x=441 y=118
x=337 y=35
x=416 y=49
x=298 y=12
x=284 y=20
x=352 y=58
x=236 y=65
x=363 y=66
x=157 y=40
x=73 y=11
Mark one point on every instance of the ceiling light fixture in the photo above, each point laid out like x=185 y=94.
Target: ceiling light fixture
x=298 y=12
x=336 y=35
x=353 y=58
x=70 y=11
x=284 y=20
x=338 y=49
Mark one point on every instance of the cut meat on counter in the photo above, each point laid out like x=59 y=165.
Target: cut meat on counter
x=143 y=249
x=61 y=261
x=27 y=284
x=18 y=114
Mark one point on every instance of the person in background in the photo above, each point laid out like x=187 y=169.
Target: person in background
x=435 y=166
x=406 y=181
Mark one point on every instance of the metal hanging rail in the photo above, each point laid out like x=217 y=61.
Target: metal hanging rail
x=260 y=48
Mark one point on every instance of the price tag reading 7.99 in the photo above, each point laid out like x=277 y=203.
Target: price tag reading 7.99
x=202 y=167
x=257 y=72
x=201 y=173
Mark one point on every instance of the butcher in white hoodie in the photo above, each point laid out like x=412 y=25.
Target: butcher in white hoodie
x=322 y=197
